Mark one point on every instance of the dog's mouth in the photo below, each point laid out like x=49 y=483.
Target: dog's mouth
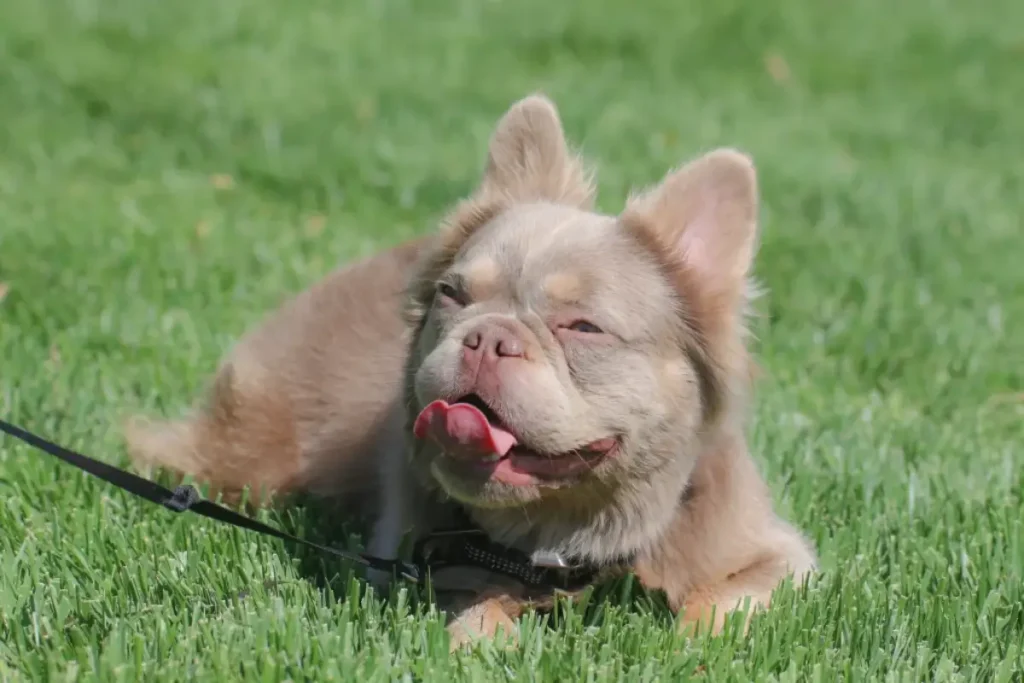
x=477 y=442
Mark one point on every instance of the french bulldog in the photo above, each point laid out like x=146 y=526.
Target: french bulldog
x=571 y=382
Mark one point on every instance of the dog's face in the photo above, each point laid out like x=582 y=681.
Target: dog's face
x=558 y=326
x=565 y=362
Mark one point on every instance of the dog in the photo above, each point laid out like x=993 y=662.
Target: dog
x=570 y=382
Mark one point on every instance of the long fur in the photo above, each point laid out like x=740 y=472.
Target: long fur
x=321 y=396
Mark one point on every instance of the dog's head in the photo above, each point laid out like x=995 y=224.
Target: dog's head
x=567 y=366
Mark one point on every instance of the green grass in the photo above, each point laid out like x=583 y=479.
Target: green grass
x=888 y=139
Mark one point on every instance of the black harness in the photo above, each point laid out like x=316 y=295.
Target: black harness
x=463 y=545
x=467 y=545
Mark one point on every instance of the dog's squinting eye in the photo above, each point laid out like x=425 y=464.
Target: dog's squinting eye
x=585 y=327
x=449 y=292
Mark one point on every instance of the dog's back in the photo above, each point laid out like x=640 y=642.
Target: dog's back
x=301 y=399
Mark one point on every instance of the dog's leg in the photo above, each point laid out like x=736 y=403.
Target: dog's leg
x=398 y=499
x=706 y=608
x=483 y=618
x=394 y=521
x=478 y=604
x=726 y=545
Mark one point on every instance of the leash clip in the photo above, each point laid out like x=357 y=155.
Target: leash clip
x=408 y=571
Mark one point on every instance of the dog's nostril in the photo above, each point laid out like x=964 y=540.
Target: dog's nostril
x=509 y=348
x=472 y=340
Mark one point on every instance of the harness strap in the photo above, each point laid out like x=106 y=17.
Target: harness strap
x=470 y=547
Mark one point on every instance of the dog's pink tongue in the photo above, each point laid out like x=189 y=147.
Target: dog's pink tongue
x=462 y=430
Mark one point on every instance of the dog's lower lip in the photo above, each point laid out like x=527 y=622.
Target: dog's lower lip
x=522 y=466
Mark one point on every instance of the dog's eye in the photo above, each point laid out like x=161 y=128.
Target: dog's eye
x=448 y=291
x=585 y=327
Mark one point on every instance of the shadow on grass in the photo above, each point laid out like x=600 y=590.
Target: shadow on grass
x=333 y=525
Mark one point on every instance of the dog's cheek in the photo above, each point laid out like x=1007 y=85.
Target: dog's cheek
x=436 y=374
x=620 y=387
x=665 y=431
x=439 y=348
x=583 y=363
x=545 y=408
x=680 y=389
x=593 y=376
x=429 y=335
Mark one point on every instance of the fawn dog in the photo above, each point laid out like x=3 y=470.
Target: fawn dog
x=569 y=381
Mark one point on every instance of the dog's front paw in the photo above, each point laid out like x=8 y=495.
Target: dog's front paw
x=487 y=619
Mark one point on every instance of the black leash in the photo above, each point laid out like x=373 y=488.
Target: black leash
x=464 y=545
x=187 y=498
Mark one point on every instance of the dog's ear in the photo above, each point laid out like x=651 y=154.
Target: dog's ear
x=529 y=159
x=704 y=218
x=701 y=224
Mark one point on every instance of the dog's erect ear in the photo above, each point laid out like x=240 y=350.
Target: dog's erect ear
x=701 y=223
x=704 y=216
x=529 y=159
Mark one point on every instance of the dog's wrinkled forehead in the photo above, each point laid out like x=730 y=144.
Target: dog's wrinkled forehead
x=543 y=257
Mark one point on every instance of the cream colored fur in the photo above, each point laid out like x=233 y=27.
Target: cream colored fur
x=322 y=395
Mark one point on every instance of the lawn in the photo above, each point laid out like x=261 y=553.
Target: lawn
x=170 y=171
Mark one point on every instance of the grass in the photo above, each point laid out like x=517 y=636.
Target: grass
x=172 y=170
